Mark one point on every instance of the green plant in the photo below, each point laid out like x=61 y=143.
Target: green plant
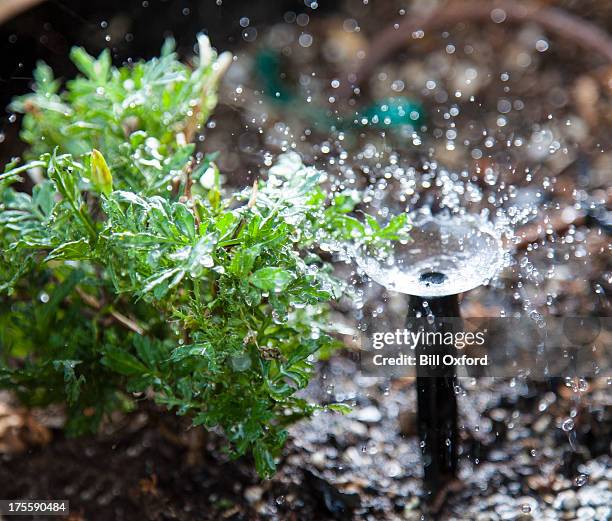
x=128 y=269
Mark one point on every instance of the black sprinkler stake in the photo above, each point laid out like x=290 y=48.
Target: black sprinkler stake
x=436 y=396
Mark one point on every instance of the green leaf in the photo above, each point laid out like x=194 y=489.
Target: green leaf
x=83 y=61
x=264 y=460
x=243 y=261
x=73 y=250
x=121 y=361
x=96 y=70
x=397 y=228
x=197 y=351
x=42 y=198
x=339 y=407
x=14 y=172
x=184 y=221
x=303 y=351
x=73 y=384
x=271 y=278
x=45 y=82
x=161 y=279
x=344 y=203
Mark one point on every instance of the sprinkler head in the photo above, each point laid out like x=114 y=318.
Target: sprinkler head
x=446 y=255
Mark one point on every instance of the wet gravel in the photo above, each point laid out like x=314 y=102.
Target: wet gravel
x=517 y=460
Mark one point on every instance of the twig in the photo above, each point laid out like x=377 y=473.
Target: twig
x=253 y=199
x=583 y=33
x=558 y=223
x=187 y=171
x=125 y=321
x=11 y=8
x=188 y=179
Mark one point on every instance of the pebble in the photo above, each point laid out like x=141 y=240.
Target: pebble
x=253 y=494
x=369 y=414
x=356 y=457
x=566 y=500
x=498 y=415
x=527 y=504
x=595 y=497
x=537 y=482
x=586 y=513
x=486 y=517
x=394 y=469
x=560 y=483
x=541 y=424
x=357 y=428
x=413 y=503
x=498 y=455
x=318 y=459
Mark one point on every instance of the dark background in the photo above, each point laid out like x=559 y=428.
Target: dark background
x=137 y=30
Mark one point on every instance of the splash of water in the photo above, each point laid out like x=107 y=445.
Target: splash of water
x=446 y=255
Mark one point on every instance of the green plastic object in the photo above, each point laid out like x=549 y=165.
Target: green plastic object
x=268 y=67
x=392 y=112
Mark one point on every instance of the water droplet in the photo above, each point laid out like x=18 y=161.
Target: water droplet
x=581 y=480
x=305 y=40
x=567 y=425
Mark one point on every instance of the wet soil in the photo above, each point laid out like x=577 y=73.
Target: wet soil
x=517 y=461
